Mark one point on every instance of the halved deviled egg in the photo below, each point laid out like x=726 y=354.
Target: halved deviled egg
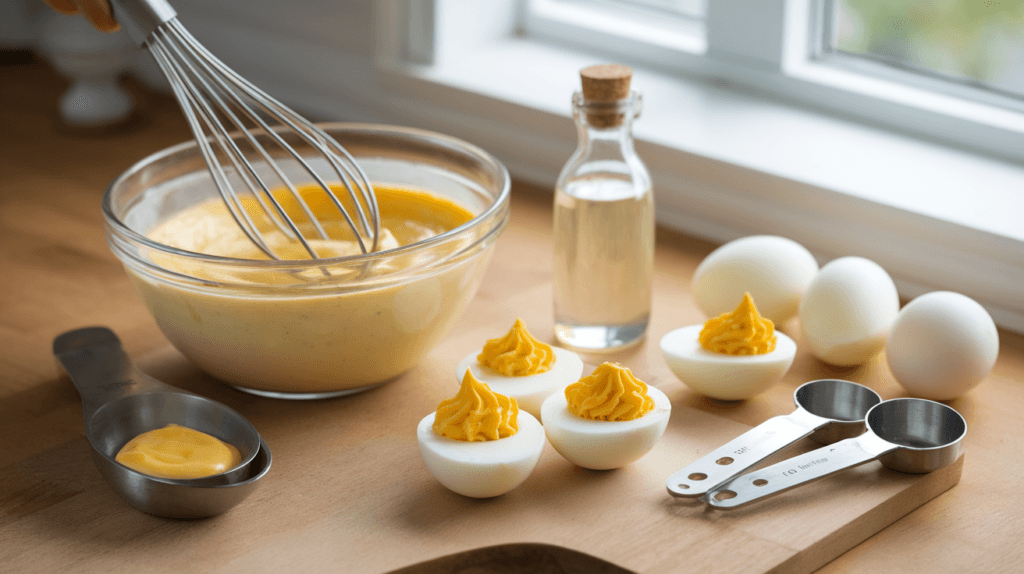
x=521 y=367
x=607 y=419
x=732 y=357
x=479 y=443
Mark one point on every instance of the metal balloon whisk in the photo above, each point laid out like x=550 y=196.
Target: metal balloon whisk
x=237 y=124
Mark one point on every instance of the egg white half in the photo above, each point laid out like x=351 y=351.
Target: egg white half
x=603 y=445
x=529 y=391
x=725 y=377
x=482 y=469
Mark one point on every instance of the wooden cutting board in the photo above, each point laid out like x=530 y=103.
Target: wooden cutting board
x=348 y=492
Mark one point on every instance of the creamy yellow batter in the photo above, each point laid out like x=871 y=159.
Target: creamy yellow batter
x=406 y=216
x=310 y=333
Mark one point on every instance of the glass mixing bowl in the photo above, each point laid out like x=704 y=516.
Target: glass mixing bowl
x=295 y=329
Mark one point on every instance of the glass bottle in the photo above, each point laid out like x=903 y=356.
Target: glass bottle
x=604 y=221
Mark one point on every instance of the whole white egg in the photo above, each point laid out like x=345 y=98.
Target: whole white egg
x=847 y=311
x=942 y=345
x=482 y=469
x=529 y=391
x=604 y=445
x=776 y=271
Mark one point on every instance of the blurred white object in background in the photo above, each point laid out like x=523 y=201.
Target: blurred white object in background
x=93 y=61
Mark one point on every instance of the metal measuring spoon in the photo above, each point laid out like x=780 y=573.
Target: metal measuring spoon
x=908 y=435
x=828 y=410
x=120 y=402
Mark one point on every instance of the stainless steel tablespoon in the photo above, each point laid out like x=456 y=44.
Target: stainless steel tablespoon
x=828 y=410
x=120 y=402
x=907 y=435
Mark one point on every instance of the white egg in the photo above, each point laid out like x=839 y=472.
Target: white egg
x=725 y=377
x=774 y=270
x=530 y=390
x=847 y=311
x=482 y=469
x=942 y=345
x=603 y=445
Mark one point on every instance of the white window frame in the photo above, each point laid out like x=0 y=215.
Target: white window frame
x=676 y=43
x=766 y=44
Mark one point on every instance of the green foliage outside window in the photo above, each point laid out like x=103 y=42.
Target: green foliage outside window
x=980 y=40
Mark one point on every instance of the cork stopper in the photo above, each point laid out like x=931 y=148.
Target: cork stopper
x=605 y=83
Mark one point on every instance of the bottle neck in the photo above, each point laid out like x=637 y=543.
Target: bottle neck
x=604 y=129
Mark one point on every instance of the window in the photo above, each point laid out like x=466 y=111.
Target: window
x=947 y=69
x=977 y=43
x=758 y=118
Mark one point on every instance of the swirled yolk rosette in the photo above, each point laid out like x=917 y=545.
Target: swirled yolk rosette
x=607 y=419
x=742 y=332
x=478 y=443
x=517 y=354
x=476 y=413
x=610 y=393
x=520 y=366
x=731 y=357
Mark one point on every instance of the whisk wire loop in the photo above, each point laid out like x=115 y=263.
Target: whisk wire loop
x=348 y=172
x=243 y=167
x=226 y=113
x=344 y=173
x=240 y=215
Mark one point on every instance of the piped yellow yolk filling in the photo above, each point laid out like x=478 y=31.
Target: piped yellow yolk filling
x=517 y=354
x=178 y=452
x=476 y=413
x=610 y=393
x=742 y=332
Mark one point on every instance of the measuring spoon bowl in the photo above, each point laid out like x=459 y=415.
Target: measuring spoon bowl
x=119 y=421
x=907 y=435
x=928 y=434
x=120 y=402
x=828 y=410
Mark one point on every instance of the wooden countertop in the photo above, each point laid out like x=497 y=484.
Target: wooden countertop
x=59 y=275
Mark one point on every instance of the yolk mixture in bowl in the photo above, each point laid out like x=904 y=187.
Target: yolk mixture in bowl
x=299 y=327
x=407 y=216
x=315 y=343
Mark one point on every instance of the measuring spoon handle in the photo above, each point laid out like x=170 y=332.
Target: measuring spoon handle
x=99 y=367
x=798 y=470
x=742 y=453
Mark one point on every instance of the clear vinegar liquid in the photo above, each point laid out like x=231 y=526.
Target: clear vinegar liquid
x=603 y=263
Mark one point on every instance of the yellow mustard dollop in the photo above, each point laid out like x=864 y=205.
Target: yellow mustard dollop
x=178 y=452
x=610 y=393
x=517 y=354
x=742 y=332
x=476 y=413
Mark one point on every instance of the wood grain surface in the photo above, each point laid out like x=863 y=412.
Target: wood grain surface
x=348 y=492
